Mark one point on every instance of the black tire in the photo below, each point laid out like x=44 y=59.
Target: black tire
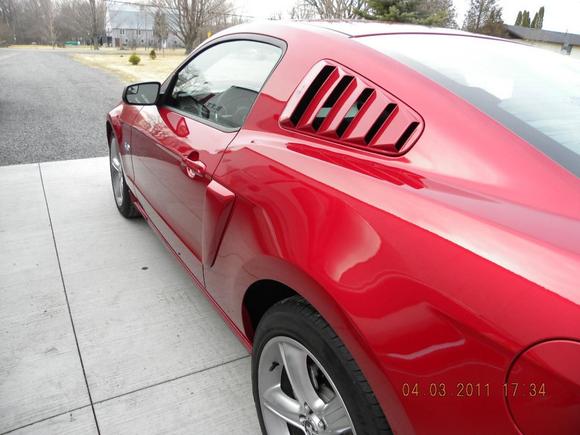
x=296 y=319
x=125 y=204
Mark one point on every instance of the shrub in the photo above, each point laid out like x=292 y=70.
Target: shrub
x=152 y=54
x=134 y=59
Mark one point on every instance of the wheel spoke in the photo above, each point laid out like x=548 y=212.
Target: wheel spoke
x=116 y=164
x=295 y=363
x=293 y=387
x=275 y=400
x=336 y=417
x=116 y=173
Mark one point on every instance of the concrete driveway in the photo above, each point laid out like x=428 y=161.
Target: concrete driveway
x=102 y=331
x=52 y=107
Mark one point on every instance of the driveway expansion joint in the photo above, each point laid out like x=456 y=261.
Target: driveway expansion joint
x=156 y=384
x=67 y=302
x=44 y=419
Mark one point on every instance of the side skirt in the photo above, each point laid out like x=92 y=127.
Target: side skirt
x=137 y=197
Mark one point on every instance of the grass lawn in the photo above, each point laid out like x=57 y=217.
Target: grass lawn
x=118 y=63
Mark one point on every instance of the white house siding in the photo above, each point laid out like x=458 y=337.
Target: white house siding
x=555 y=47
x=132 y=26
x=546 y=39
x=132 y=37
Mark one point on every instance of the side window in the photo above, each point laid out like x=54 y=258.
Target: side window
x=221 y=83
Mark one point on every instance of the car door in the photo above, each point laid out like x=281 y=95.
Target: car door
x=178 y=143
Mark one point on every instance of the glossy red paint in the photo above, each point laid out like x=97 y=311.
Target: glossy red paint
x=437 y=268
x=219 y=202
x=553 y=363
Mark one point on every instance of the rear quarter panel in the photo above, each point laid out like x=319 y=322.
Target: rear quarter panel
x=427 y=266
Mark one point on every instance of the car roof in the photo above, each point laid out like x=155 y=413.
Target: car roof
x=338 y=29
x=355 y=28
x=348 y=29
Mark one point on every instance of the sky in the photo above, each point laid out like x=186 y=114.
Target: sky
x=560 y=15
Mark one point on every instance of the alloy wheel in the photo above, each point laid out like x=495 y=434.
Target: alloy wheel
x=297 y=396
x=116 y=172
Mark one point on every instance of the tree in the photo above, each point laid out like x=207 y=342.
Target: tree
x=275 y=16
x=51 y=21
x=540 y=23
x=74 y=20
x=46 y=13
x=494 y=25
x=28 y=22
x=7 y=21
x=302 y=11
x=5 y=34
x=526 y=19
x=484 y=16
x=337 y=9
x=160 y=28
x=94 y=25
x=439 y=13
x=534 y=21
x=399 y=11
x=188 y=18
x=428 y=12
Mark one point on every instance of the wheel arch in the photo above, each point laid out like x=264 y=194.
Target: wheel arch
x=113 y=125
x=285 y=280
x=258 y=298
x=265 y=280
x=109 y=132
x=278 y=280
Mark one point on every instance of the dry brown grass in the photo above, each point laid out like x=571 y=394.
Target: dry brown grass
x=117 y=61
x=118 y=64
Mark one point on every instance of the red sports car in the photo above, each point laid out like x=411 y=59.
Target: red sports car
x=387 y=216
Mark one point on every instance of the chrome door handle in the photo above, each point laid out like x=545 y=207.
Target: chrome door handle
x=194 y=168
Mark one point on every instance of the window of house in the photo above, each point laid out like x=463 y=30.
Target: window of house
x=221 y=84
x=566 y=48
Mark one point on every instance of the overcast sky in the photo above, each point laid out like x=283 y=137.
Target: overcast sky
x=561 y=15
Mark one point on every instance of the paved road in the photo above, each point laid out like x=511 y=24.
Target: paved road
x=52 y=107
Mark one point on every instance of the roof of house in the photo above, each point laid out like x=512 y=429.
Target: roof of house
x=543 y=35
x=130 y=17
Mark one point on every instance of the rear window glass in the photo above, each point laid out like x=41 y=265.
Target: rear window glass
x=533 y=92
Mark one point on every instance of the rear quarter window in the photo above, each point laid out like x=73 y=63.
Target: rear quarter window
x=533 y=92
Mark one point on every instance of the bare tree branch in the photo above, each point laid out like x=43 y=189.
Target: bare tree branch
x=188 y=18
x=337 y=9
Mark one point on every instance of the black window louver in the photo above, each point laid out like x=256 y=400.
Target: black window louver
x=331 y=100
x=311 y=93
x=406 y=135
x=353 y=111
x=337 y=104
x=379 y=122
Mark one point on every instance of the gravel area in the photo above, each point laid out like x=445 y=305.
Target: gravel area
x=52 y=107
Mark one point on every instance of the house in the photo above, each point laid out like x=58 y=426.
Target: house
x=131 y=25
x=565 y=43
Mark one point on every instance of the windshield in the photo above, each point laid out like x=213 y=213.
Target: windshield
x=533 y=92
